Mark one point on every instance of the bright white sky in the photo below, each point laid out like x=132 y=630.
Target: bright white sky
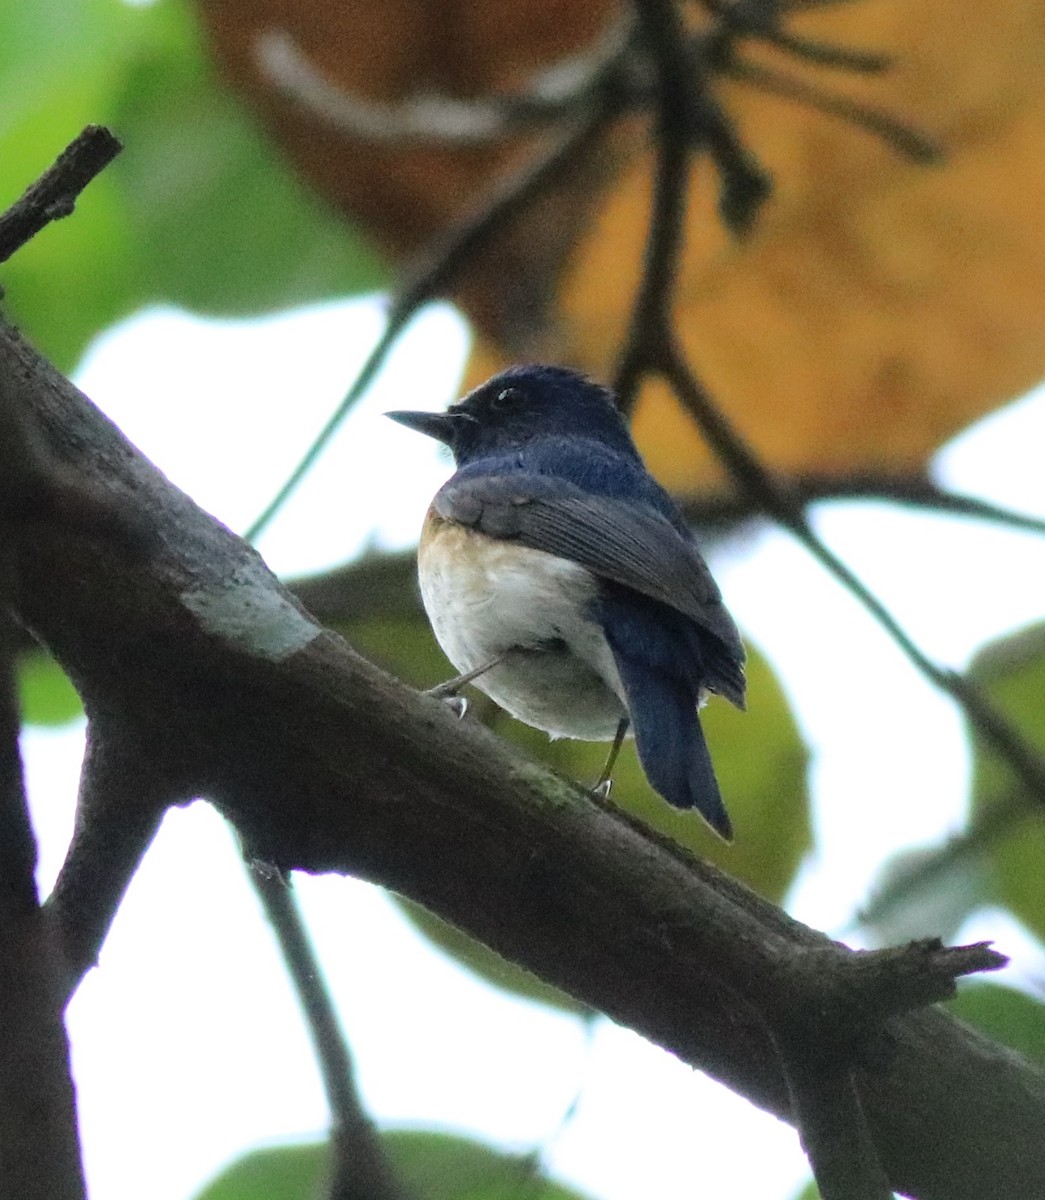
x=188 y=1048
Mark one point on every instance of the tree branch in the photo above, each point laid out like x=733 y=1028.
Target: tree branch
x=360 y=1169
x=121 y=802
x=324 y=763
x=54 y=194
x=39 y=1146
x=834 y=1130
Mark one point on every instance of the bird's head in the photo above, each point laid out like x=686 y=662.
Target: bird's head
x=518 y=405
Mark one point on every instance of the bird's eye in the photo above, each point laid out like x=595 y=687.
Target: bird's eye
x=505 y=399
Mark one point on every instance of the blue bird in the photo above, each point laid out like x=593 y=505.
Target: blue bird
x=561 y=577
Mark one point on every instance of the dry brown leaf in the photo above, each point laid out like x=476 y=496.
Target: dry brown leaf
x=878 y=308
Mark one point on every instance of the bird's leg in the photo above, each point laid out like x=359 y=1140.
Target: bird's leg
x=448 y=691
x=602 y=788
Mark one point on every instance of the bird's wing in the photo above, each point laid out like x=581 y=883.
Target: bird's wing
x=625 y=541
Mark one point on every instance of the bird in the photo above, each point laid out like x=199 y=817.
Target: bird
x=563 y=581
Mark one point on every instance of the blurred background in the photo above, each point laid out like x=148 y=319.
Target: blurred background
x=877 y=338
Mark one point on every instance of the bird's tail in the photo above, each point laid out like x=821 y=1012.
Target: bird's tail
x=671 y=744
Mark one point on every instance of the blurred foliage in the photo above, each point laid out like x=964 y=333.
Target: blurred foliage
x=1010 y=1017
x=46 y=695
x=1012 y=672
x=431 y=1166
x=926 y=892
x=760 y=761
x=879 y=306
x=199 y=210
x=998 y=859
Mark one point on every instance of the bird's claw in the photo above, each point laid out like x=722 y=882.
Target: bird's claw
x=458 y=705
x=603 y=788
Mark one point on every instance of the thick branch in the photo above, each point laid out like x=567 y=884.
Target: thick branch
x=326 y=764
x=39 y=1146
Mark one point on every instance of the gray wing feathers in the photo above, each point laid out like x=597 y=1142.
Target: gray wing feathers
x=631 y=545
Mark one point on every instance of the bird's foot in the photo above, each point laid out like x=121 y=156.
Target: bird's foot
x=448 y=691
x=603 y=788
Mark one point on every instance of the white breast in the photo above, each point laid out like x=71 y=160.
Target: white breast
x=486 y=597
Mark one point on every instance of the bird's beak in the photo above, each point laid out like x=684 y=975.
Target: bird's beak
x=436 y=425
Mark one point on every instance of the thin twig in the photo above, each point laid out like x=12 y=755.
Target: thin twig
x=435 y=271
x=677 y=105
x=361 y=1169
x=917 y=146
x=725 y=509
x=914 y=490
x=762 y=22
x=54 y=194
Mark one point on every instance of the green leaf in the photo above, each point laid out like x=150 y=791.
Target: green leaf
x=199 y=210
x=1012 y=673
x=431 y=1166
x=220 y=224
x=439 y=1166
x=1010 y=1017
x=275 y=1173
x=47 y=696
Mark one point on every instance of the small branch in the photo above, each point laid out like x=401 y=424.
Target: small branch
x=761 y=21
x=384 y=583
x=841 y=997
x=54 y=194
x=122 y=800
x=911 y=143
x=913 y=490
x=361 y=1170
x=677 y=108
x=435 y=270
